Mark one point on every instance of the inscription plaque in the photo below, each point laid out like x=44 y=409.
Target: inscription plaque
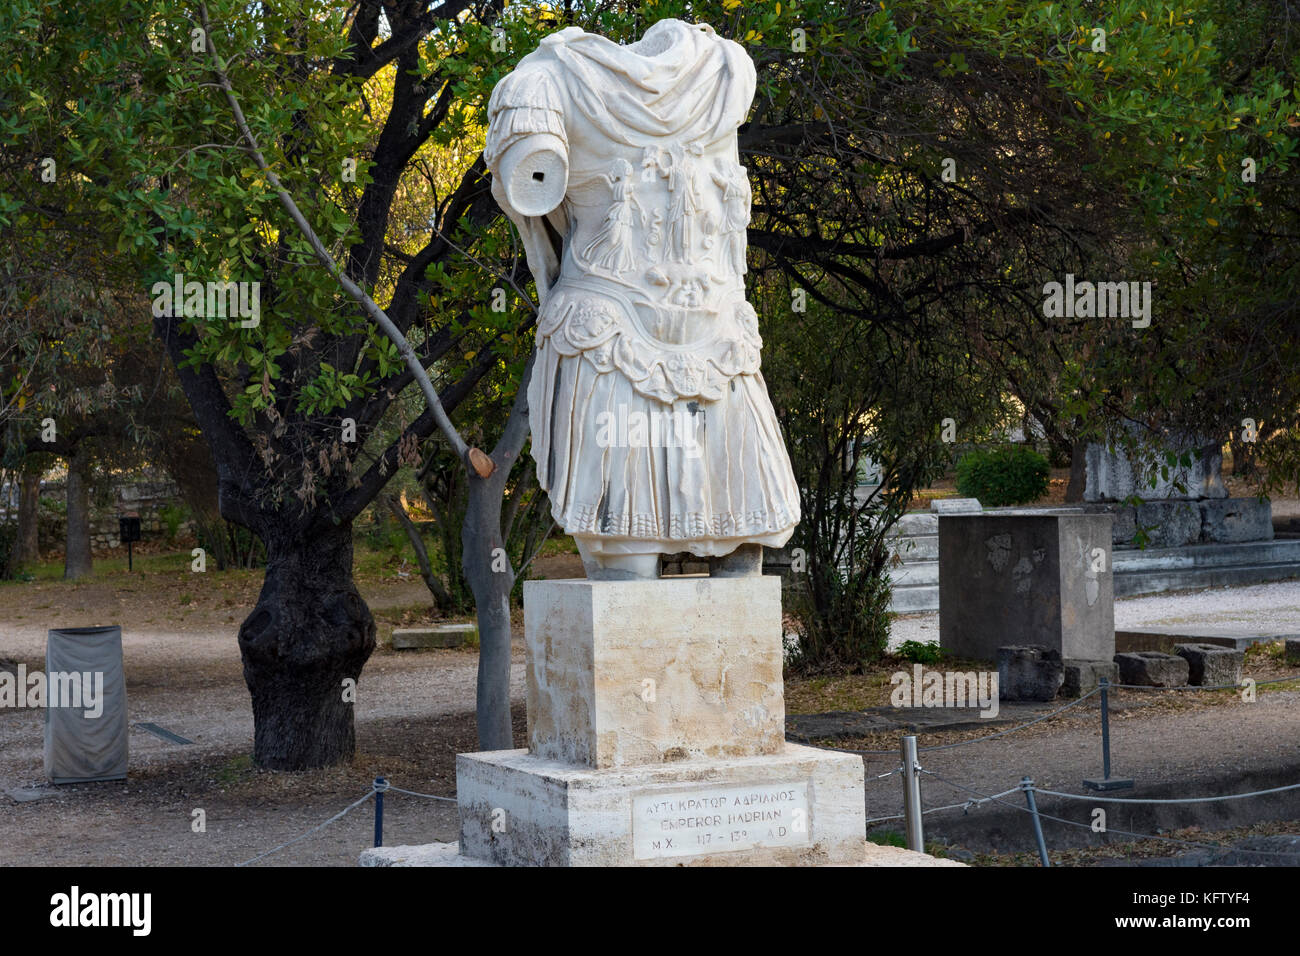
x=720 y=819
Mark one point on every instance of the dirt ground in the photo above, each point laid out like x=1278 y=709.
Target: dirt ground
x=413 y=715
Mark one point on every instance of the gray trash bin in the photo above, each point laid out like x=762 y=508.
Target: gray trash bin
x=85 y=705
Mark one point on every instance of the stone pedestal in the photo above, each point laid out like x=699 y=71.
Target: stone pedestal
x=800 y=807
x=1040 y=577
x=656 y=731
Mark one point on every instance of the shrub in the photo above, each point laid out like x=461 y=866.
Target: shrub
x=1003 y=476
x=172 y=517
x=919 y=653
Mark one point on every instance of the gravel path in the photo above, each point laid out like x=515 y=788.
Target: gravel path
x=1259 y=609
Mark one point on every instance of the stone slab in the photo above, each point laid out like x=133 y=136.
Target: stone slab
x=1082 y=677
x=1209 y=665
x=28 y=794
x=448 y=854
x=1110 y=475
x=1041 y=577
x=953 y=506
x=799 y=807
x=1152 y=669
x=440 y=636
x=1029 y=672
x=1231 y=520
x=1165 y=638
x=625 y=673
x=1177 y=523
x=1292 y=650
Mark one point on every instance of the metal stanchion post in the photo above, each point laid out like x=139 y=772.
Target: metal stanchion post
x=912 y=796
x=1106 y=782
x=1027 y=785
x=380 y=786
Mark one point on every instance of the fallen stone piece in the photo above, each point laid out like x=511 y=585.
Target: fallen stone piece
x=442 y=635
x=1210 y=665
x=1083 y=677
x=1029 y=672
x=1152 y=669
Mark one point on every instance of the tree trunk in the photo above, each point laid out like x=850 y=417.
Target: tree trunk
x=27 y=544
x=304 y=647
x=77 y=560
x=480 y=537
x=1078 y=472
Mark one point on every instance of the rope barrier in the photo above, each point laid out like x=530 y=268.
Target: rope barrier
x=427 y=796
x=387 y=787
x=342 y=813
x=1087 y=826
x=1258 y=683
x=1230 y=796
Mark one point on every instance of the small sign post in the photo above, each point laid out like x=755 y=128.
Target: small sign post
x=128 y=530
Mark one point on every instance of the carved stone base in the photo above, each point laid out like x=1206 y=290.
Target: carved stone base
x=801 y=807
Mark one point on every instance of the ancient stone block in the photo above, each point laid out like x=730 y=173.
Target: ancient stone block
x=1110 y=475
x=1041 y=578
x=1082 y=677
x=802 y=806
x=1152 y=669
x=622 y=673
x=1026 y=672
x=1236 y=519
x=1211 y=665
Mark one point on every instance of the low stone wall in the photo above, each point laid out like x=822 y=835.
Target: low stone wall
x=146 y=499
x=1174 y=523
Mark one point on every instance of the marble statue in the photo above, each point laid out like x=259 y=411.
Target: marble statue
x=652 y=428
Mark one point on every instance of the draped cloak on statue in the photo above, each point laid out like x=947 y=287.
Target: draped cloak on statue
x=651 y=424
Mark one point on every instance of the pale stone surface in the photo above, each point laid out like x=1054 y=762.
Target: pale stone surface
x=1111 y=475
x=643 y=672
x=953 y=506
x=652 y=427
x=552 y=814
x=448 y=854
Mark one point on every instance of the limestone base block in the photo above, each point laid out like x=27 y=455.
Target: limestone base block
x=800 y=807
x=622 y=673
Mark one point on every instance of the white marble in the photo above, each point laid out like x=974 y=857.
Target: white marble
x=518 y=809
x=652 y=427
x=638 y=672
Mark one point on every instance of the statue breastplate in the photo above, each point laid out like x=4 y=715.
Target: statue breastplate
x=651 y=280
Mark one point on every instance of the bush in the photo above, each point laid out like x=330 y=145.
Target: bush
x=172 y=517
x=1003 y=476
x=919 y=653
